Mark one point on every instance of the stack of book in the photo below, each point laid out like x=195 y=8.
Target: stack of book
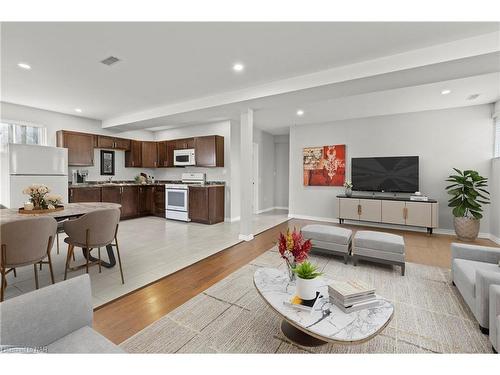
x=350 y=296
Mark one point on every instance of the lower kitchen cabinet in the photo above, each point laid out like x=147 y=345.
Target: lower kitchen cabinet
x=146 y=200
x=127 y=196
x=130 y=201
x=159 y=200
x=206 y=204
x=84 y=194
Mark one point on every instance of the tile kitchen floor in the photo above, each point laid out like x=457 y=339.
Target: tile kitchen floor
x=151 y=248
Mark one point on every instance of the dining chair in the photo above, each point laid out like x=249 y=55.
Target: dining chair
x=25 y=242
x=93 y=230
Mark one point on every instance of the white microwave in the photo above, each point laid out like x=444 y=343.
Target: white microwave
x=184 y=157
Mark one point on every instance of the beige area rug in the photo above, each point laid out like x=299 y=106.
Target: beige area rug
x=230 y=317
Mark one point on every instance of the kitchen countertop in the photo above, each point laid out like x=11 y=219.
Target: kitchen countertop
x=130 y=183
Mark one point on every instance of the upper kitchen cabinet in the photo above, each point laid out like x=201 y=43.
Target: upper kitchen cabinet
x=80 y=147
x=104 y=141
x=209 y=151
x=133 y=157
x=149 y=154
x=185 y=143
x=166 y=153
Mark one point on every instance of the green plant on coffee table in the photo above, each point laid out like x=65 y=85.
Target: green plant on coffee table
x=468 y=193
x=306 y=270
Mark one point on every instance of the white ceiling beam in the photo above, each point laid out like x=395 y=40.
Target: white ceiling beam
x=464 y=48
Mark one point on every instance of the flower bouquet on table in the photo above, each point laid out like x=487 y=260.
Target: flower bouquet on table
x=40 y=199
x=294 y=249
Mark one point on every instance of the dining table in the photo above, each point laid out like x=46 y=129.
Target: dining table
x=69 y=211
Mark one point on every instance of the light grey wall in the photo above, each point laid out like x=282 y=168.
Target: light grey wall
x=460 y=137
x=222 y=128
x=266 y=168
x=55 y=121
x=494 y=189
x=281 y=170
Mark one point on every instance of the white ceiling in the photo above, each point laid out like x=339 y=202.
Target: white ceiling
x=170 y=63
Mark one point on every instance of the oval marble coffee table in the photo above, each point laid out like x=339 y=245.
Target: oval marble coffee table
x=327 y=323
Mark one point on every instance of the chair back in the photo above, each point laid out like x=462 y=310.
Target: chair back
x=100 y=225
x=26 y=241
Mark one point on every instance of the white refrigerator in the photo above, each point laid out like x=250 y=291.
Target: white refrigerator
x=31 y=164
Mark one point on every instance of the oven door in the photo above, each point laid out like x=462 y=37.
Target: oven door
x=177 y=199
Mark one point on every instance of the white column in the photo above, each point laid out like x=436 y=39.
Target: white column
x=246 y=167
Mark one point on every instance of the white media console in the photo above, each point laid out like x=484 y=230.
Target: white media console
x=389 y=210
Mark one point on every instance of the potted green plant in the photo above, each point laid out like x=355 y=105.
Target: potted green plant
x=306 y=285
x=468 y=191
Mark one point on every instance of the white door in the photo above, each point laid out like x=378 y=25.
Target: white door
x=255 y=180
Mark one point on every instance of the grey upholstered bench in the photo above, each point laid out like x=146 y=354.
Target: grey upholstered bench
x=329 y=239
x=379 y=247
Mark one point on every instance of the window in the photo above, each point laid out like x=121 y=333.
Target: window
x=497 y=137
x=23 y=133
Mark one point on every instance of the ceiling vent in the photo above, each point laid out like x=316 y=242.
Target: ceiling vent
x=473 y=96
x=110 y=60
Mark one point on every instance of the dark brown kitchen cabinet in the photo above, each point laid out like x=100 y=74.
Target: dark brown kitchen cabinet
x=182 y=144
x=104 y=141
x=127 y=196
x=149 y=154
x=130 y=201
x=84 y=194
x=206 y=204
x=162 y=154
x=80 y=147
x=122 y=144
x=133 y=157
x=146 y=200
x=209 y=151
x=159 y=200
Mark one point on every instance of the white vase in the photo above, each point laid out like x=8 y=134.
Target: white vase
x=306 y=288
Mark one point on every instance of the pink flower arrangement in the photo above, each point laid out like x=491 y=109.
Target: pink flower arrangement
x=293 y=248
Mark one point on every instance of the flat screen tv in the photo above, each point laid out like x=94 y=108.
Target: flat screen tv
x=398 y=174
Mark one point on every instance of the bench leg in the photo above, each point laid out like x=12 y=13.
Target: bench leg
x=403 y=269
x=346 y=257
x=354 y=260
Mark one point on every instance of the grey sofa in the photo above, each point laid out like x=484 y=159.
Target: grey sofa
x=474 y=268
x=495 y=317
x=54 y=319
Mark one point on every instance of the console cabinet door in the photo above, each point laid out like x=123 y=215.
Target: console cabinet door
x=393 y=212
x=419 y=214
x=371 y=210
x=348 y=208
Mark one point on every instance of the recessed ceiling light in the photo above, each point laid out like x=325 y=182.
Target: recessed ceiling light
x=238 y=67
x=445 y=92
x=473 y=96
x=24 y=66
x=300 y=112
x=78 y=110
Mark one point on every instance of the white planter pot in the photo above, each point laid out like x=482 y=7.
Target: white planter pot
x=467 y=229
x=306 y=288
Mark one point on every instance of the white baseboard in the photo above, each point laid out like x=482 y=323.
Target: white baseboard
x=449 y=232
x=245 y=237
x=271 y=208
x=495 y=238
x=232 y=219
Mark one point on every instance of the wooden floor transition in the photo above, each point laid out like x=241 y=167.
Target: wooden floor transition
x=127 y=315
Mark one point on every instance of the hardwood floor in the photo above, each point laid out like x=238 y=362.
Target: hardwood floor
x=127 y=315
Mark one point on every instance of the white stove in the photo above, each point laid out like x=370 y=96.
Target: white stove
x=177 y=196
